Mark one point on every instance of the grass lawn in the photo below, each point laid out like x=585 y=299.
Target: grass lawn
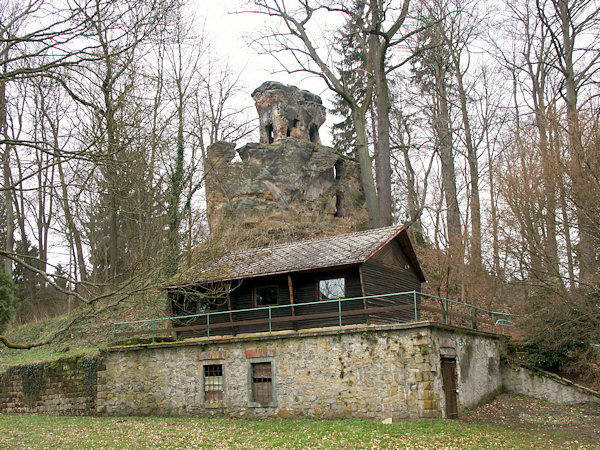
x=37 y=431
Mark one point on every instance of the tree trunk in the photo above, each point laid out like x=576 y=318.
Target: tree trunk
x=586 y=246
x=414 y=209
x=493 y=209
x=444 y=138
x=10 y=224
x=366 y=172
x=473 y=169
x=549 y=246
x=383 y=169
x=73 y=230
x=6 y=175
x=176 y=188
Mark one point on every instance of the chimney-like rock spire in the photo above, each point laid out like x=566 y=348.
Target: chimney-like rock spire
x=288 y=112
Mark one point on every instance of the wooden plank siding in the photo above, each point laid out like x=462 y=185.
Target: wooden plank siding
x=306 y=289
x=386 y=273
x=243 y=298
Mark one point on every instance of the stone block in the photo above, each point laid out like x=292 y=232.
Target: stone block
x=430 y=404
x=427 y=395
x=214 y=354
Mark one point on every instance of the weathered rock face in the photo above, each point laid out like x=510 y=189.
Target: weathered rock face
x=288 y=177
x=280 y=183
x=286 y=111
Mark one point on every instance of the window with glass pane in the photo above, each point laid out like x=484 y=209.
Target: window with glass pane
x=213 y=382
x=205 y=304
x=332 y=288
x=266 y=295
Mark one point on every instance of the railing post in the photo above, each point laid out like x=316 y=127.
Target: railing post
x=446 y=311
x=114 y=333
x=153 y=331
x=471 y=315
x=269 y=319
x=493 y=321
x=415 y=303
x=340 y=311
x=207 y=325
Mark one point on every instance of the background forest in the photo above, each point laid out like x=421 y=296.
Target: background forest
x=476 y=123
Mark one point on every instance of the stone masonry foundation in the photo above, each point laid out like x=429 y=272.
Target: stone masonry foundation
x=373 y=372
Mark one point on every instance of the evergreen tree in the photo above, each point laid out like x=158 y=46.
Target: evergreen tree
x=8 y=300
x=350 y=45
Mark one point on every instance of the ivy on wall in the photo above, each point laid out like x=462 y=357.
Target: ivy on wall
x=32 y=379
x=28 y=386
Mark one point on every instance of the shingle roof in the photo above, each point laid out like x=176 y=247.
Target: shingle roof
x=333 y=251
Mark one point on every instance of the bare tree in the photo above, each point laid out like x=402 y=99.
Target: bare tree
x=433 y=73
x=377 y=26
x=573 y=29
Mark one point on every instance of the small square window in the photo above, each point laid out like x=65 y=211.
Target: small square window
x=332 y=288
x=207 y=304
x=266 y=295
x=262 y=383
x=213 y=383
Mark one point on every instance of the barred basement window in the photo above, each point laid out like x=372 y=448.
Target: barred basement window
x=262 y=383
x=213 y=383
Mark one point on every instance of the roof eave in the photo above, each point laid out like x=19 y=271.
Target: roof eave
x=407 y=248
x=265 y=275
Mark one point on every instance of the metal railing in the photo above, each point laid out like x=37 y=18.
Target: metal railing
x=413 y=306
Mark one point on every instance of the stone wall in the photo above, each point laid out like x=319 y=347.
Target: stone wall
x=544 y=385
x=376 y=372
x=63 y=387
x=477 y=364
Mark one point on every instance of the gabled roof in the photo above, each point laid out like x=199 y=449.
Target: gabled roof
x=314 y=254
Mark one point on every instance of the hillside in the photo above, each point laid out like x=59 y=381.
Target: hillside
x=90 y=331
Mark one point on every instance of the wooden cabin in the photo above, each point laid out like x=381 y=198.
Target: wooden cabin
x=296 y=285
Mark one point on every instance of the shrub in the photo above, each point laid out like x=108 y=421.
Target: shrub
x=563 y=331
x=8 y=300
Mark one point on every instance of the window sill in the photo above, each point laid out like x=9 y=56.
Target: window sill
x=213 y=405
x=262 y=405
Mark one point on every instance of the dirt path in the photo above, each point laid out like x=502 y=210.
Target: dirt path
x=573 y=424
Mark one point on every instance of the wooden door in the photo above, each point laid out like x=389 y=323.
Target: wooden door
x=450 y=387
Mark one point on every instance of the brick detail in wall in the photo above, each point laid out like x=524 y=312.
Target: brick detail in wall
x=216 y=354
x=261 y=352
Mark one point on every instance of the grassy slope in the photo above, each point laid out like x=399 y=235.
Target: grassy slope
x=93 y=330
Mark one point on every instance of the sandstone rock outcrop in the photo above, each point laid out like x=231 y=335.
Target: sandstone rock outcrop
x=286 y=111
x=290 y=179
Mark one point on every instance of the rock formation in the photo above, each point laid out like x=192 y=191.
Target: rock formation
x=286 y=111
x=289 y=176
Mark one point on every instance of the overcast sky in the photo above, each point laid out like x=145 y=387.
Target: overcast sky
x=226 y=29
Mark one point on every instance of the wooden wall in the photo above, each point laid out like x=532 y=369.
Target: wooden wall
x=305 y=290
x=386 y=273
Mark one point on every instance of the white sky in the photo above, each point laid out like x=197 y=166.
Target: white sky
x=225 y=30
